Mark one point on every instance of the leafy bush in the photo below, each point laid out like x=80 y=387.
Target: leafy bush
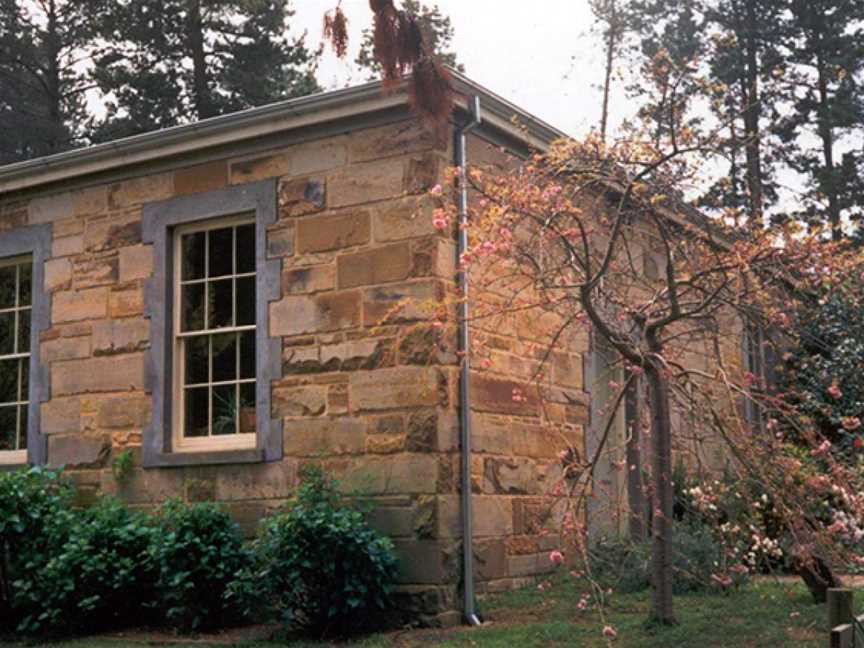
x=197 y=550
x=97 y=578
x=35 y=516
x=321 y=566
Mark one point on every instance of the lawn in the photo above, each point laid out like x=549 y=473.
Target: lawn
x=764 y=614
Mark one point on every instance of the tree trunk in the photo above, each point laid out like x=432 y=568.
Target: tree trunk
x=826 y=134
x=54 y=141
x=201 y=90
x=662 y=496
x=635 y=487
x=752 y=110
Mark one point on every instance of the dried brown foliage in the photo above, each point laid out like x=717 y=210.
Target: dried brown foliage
x=401 y=48
x=336 y=30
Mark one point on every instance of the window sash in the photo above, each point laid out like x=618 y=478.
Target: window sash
x=18 y=454
x=236 y=440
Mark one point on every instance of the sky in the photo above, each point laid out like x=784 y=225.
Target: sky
x=546 y=62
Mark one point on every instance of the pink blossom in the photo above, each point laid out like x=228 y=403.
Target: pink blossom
x=723 y=581
x=440 y=223
x=556 y=557
x=823 y=449
x=436 y=190
x=837 y=527
x=834 y=391
x=609 y=632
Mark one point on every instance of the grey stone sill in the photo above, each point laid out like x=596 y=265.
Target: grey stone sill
x=165 y=459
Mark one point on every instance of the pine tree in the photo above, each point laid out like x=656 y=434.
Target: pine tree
x=825 y=43
x=44 y=47
x=436 y=28
x=745 y=63
x=175 y=61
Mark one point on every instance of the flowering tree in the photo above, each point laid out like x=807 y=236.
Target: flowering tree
x=598 y=235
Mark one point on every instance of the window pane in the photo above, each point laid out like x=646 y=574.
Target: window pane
x=224 y=357
x=25 y=284
x=23 y=331
x=8 y=381
x=192 y=254
x=247 y=408
x=246 y=301
x=221 y=252
x=247 y=354
x=225 y=409
x=7 y=286
x=246 y=248
x=219 y=296
x=196 y=412
x=8 y=428
x=22 y=427
x=7 y=333
x=24 y=386
x=193 y=307
x=195 y=359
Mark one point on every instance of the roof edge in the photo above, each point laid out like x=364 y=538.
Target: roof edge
x=256 y=122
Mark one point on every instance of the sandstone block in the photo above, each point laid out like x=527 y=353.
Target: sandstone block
x=296 y=315
x=95 y=271
x=491 y=559
x=50 y=208
x=65 y=348
x=124 y=412
x=140 y=190
x=567 y=370
x=399 y=303
x=105 y=374
x=376 y=266
x=324 y=437
x=120 y=336
x=394 y=388
x=397 y=474
x=202 y=177
x=273 y=480
x=305 y=400
x=260 y=167
x=403 y=219
x=280 y=242
x=493 y=516
x=427 y=561
x=90 y=201
x=125 y=301
x=302 y=196
x=78 y=450
x=423 y=173
x=308 y=280
x=393 y=139
x=60 y=415
x=503 y=396
x=67 y=245
x=58 y=274
x=317 y=156
x=326 y=233
x=511 y=476
x=136 y=262
x=364 y=183
x=110 y=233
x=369 y=353
x=393 y=521
x=71 y=306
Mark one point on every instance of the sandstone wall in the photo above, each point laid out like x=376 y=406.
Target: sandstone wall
x=369 y=385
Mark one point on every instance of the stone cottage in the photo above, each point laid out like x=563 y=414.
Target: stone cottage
x=231 y=299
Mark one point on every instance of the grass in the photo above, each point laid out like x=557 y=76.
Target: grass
x=763 y=614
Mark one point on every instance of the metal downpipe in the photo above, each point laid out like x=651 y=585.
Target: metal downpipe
x=461 y=155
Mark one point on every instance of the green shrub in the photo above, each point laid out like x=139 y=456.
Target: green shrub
x=321 y=566
x=197 y=550
x=35 y=517
x=98 y=578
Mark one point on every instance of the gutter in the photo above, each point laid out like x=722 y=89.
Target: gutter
x=461 y=158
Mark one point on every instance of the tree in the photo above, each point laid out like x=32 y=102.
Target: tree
x=175 y=61
x=437 y=32
x=43 y=46
x=611 y=15
x=746 y=64
x=825 y=54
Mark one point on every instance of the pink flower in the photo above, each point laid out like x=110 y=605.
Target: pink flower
x=556 y=557
x=823 y=449
x=436 y=190
x=834 y=391
x=723 y=581
x=609 y=632
x=440 y=223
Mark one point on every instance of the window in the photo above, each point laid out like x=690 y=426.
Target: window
x=15 y=313
x=214 y=332
x=211 y=360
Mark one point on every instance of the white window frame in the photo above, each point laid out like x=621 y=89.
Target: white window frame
x=16 y=457
x=181 y=443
